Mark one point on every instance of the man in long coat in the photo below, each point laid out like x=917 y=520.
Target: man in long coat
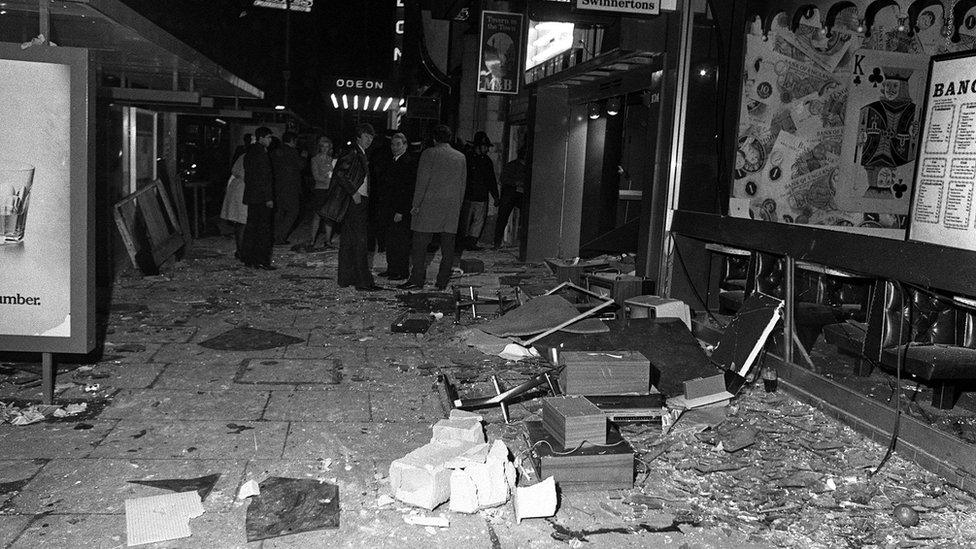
x=441 y=174
x=401 y=178
x=351 y=180
x=259 y=197
x=288 y=165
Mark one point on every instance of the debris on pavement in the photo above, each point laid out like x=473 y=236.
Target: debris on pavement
x=160 y=518
x=287 y=506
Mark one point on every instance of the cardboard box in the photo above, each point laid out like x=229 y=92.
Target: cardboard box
x=605 y=373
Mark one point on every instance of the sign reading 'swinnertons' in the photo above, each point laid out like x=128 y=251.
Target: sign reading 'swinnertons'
x=632 y=7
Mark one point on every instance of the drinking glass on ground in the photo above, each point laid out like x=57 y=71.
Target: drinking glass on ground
x=16 y=179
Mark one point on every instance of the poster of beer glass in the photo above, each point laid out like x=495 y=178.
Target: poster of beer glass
x=44 y=238
x=500 y=53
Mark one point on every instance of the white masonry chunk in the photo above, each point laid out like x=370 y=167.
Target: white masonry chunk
x=464 y=414
x=491 y=482
x=421 y=478
x=467 y=430
x=538 y=500
x=464 y=492
x=498 y=452
x=477 y=454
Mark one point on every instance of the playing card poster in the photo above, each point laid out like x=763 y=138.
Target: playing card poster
x=881 y=136
x=823 y=137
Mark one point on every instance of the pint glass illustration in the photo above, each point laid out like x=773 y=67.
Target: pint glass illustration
x=16 y=179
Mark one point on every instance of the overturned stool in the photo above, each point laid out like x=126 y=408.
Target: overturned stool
x=468 y=299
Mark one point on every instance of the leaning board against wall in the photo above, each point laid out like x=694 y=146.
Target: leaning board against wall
x=829 y=122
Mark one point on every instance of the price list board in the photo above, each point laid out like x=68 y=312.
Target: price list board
x=943 y=207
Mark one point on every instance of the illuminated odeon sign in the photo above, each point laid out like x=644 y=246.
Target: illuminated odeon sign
x=359 y=84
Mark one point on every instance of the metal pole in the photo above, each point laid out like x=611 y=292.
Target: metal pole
x=287 y=71
x=677 y=141
x=44 y=19
x=47 y=377
x=789 y=329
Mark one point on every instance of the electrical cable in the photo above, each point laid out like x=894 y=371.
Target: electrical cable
x=898 y=365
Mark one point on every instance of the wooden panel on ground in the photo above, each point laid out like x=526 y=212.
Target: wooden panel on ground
x=149 y=227
x=573 y=420
x=612 y=372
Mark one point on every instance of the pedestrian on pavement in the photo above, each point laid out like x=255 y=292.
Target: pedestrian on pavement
x=380 y=214
x=259 y=197
x=480 y=184
x=246 y=141
x=514 y=177
x=350 y=185
x=401 y=178
x=322 y=165
x=288 y=166
x=234 y=210
x=436 y=206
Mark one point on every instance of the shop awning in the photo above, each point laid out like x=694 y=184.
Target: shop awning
x=126 y=45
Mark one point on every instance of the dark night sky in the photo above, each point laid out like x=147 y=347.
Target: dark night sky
x=339 y=37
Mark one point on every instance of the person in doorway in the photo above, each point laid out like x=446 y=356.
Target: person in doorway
x=350 y=181
x=401 y=178
x=513 y=179
x=234 y=210
x=480 y=184
x=259 y=197
x=322 y=165
x=436 y=206
x=288 y=165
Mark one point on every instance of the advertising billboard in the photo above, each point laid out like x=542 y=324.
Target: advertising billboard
x=46 y=283
x=499 y=53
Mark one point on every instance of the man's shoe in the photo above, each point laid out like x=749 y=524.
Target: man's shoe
x=410 y=286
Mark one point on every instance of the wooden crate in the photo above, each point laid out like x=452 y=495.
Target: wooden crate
x=605 y=373
x=608 y=467
x=573 y=420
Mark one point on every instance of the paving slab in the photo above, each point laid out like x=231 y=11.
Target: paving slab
x=290 y=372
x=15 y=474
x=159 y=439
x=406 y=406
x=380 y=442
x=11 y=526
x=74 y=530
x=194 y=353
x=129 y=353
x=209 y=376
x=156 y=404
x=101 y=486
x=114 y=374
x=53 y=439
x=150 y=334
x=338 y=405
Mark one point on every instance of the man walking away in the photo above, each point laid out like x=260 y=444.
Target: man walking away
x=288 y=165
x=401 y=179
x=259 y=197
x=481 y=183
x=351 y=175
x=436 y=206
x=513 y=178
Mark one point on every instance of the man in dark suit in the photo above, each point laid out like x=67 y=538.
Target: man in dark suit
x=259 y=197
x=351 y=176
x=401 y=178
x=288 y=165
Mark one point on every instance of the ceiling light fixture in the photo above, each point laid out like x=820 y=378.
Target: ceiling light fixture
x=376 y=107
x=366 y=103
x=335 y=101
x=613 y=106
x=355 y=102
x=345 y=101
x=279 y=107
x=594 y=110
x=388 y=101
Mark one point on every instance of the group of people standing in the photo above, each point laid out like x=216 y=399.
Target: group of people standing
x=388 y=200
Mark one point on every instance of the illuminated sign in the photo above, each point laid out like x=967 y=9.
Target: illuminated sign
x=547 y=39
x=631 y=7
x=46 y=222
x=296 y=5
x=359 y=84
x=499 y=51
